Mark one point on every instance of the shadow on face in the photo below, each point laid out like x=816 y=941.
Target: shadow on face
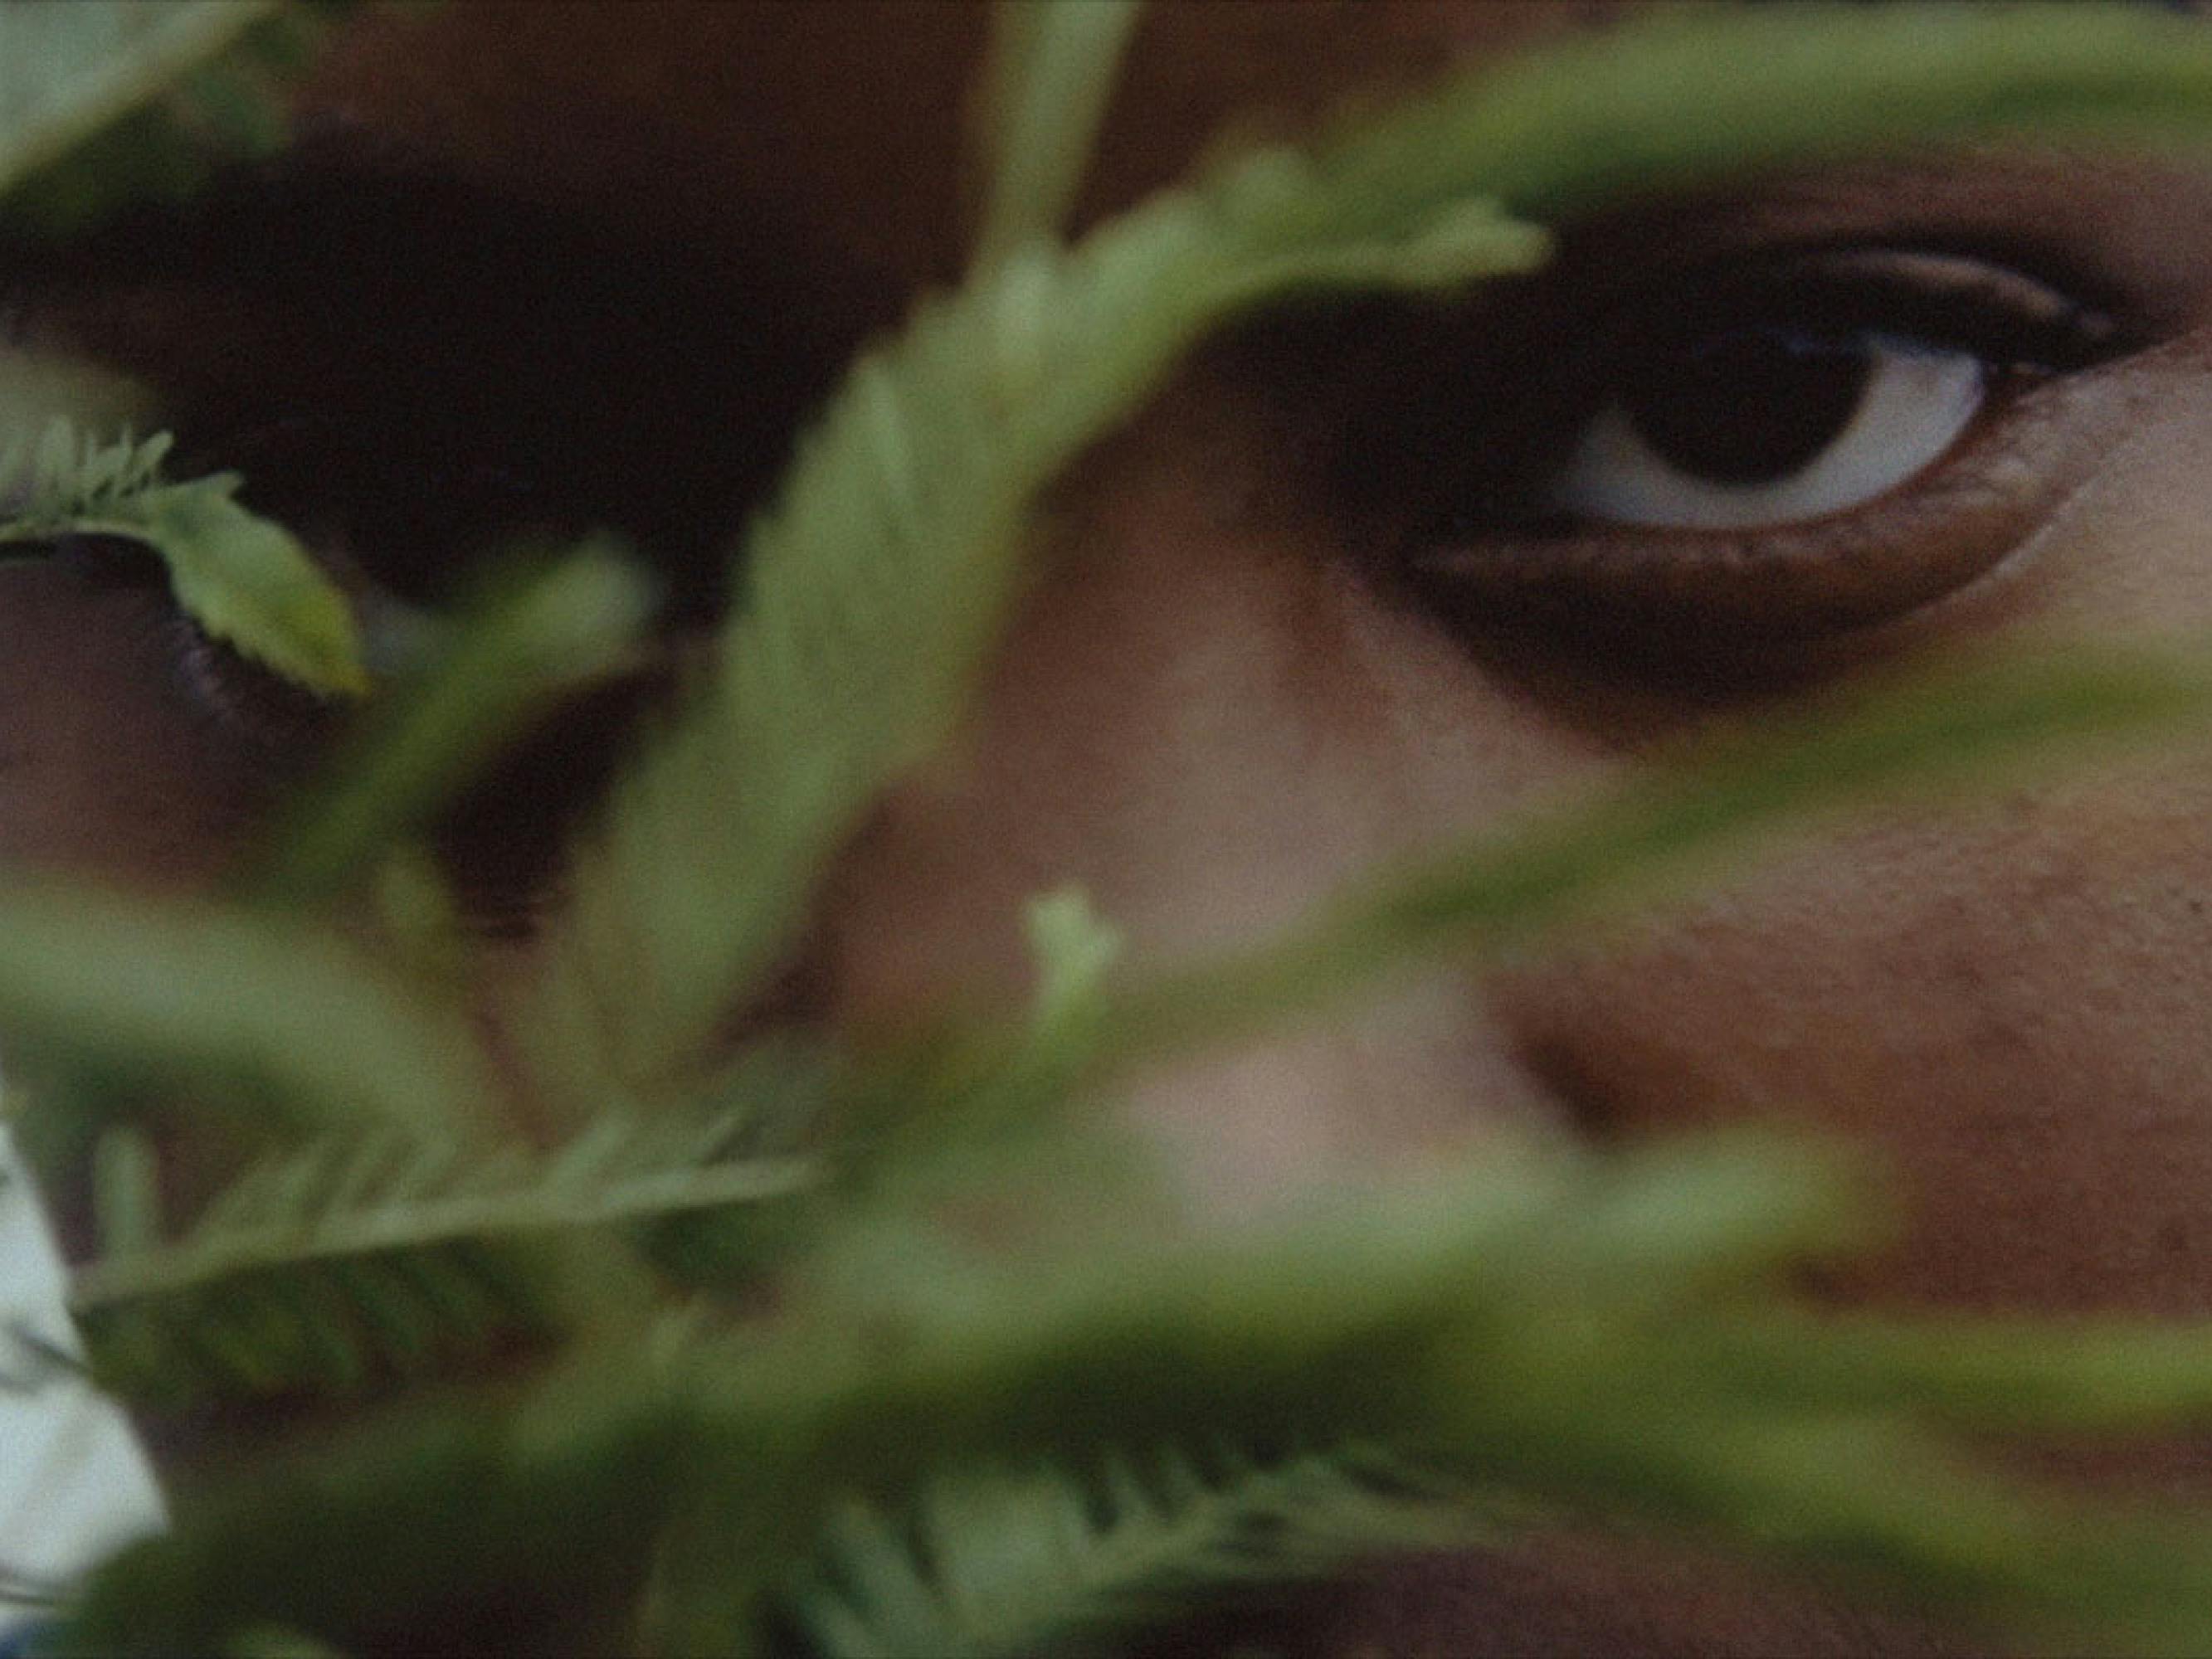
x=1366 y=579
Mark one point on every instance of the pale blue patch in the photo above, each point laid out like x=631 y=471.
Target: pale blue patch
x=74 y=1484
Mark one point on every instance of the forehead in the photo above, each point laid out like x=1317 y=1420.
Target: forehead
x=838 y=127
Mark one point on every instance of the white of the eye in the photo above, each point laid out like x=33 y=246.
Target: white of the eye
x=1916 y=401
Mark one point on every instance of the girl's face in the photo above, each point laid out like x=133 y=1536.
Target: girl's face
x=1360 y=583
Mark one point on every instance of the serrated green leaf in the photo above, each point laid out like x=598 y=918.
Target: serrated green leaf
x=245 y=579
x=998 y=1563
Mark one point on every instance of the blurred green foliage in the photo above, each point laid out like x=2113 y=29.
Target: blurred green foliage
x=721 y=1364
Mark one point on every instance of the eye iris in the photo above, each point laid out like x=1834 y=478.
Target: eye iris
x=1752 y=406
x=1775 y=452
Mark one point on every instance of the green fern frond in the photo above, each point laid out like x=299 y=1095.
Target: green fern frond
x=243 y=579
x=1594 y=1333
x=108 y=102
x=289 y=1284
x=1426 y=1324
x=991 y=1564
x=322 y=1268
x=873 y=591
x=285 y=1027
x=1133 y=1341
x=1941 y=734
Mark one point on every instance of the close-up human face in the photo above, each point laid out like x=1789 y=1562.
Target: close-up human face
x=1368 y=578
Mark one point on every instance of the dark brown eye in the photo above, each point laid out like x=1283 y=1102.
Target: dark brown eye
x=1750 y=406
x=1805 y=443
x=1768 y=424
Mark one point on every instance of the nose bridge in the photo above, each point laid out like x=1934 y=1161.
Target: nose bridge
x=1207 y=719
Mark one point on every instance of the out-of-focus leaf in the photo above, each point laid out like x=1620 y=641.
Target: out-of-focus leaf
x=1950 y=729
x=874 y=586
x=992 y=1563
x=499 y=664
x=245 y=581
x=106 y=102
x=1051 y=72
x=172 y=994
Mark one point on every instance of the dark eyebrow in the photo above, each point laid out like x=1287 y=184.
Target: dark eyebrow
x=342 y=192
x=428 y=359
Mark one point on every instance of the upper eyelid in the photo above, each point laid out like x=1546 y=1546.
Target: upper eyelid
x=1528 y=353
x=1992 y=307
x=1792 y=580
x=1769 y=593
x=1590 y=294
x=2073 y=217
x=1464 y=405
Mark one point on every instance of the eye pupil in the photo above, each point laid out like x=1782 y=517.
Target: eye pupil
x=1751 y=406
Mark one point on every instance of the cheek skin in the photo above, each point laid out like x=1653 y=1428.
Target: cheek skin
x=104 y=769
x=1206 y=718
x=1203 y=720
x=1212 y=726
x=2006 y=1000
x=2005 y=1005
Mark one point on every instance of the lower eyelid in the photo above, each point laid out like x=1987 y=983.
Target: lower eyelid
x=1929 y=536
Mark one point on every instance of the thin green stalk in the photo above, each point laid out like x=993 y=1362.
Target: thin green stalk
x=501 y=666
x=196 y=1264
x=1052 y=71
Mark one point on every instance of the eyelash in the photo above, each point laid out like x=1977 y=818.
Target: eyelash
x=1498 y=549
x=279 y=719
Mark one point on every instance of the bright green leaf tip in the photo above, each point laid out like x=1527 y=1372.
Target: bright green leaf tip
x=243 y=579
x=248 y=583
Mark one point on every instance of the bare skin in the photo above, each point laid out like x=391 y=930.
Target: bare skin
x=1226 y=695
